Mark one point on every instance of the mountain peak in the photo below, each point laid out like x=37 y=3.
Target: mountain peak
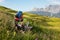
x=50 y=8
x=53 y=8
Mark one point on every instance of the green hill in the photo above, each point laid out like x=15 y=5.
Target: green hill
x=5 y=9
x=44 y=28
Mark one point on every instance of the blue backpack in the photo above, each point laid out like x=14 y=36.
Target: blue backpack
x=19 y=14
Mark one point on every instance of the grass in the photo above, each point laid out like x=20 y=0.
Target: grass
x=44 y=28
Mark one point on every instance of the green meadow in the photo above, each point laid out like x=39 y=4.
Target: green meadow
x=43 y=27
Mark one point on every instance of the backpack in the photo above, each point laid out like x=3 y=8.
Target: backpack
x=19 y=14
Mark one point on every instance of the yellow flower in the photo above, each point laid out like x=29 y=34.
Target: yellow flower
x=7 y=33
x=14 y=33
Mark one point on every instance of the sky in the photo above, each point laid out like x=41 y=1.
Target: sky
x=27 y=5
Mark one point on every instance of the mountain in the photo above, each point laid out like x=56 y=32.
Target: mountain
x=51 y=10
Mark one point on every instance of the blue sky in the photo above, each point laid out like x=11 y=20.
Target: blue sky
x=26 y=5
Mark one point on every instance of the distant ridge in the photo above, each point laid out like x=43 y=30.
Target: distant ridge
x=51 y=10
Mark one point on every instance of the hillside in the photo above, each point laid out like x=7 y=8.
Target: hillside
x=44 y=28
x=44 y=21
x=5 y=9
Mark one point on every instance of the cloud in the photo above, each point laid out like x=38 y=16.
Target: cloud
x=1 y=0
x=54 y=1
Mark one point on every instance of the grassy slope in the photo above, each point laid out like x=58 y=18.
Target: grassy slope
x=45 y=22
x=44 y=28
x=45 y=25
x=6 y=10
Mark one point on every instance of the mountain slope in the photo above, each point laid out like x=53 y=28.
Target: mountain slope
x=44 y=28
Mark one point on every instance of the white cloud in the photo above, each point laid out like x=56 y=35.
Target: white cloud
x=1 y=0
x=54 y=1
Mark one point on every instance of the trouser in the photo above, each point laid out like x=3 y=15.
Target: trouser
x=18 y=27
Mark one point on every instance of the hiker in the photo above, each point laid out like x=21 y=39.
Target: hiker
x=19 y=19
x=20 y=23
